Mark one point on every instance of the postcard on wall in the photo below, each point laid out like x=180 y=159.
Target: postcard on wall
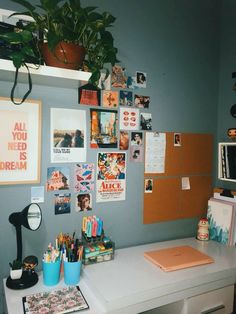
x=58 y=178
x=62 y=203
x=68 y=135
x=155 y=152
x=146 y=121
x=118 y=77
x=141 y=79
x=20 y=129
x=177 y=139
x=103 y=128
x=141 y=101
x=111 y=177
x=124 y=140
x=131 y=82
x=126 y=98
x=110 y=99
x=129 y=119
x=84 y=177
x=83 y=202
x=37 y=194
x=136 y=153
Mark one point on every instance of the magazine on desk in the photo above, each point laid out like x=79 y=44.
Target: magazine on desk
x=64 y=300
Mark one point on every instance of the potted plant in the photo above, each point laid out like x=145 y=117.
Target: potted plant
x=66 y=24
x=16 y=269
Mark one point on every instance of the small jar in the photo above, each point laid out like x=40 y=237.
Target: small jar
x=203 y=230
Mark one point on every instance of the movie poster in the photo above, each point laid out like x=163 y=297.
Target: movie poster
x=103 y=128
x=68 y=135
x=111 y=177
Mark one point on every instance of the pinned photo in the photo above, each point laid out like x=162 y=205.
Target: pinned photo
x=136 y=138
x=110 y=99
x=148 y=185
x=118 y=78
x=83 y=202
x=136 y=153
x=141 y=101
x=124 y=140
x=146 y=121
x=126 y=98
x=62 y=203
x=177 y=139
x=141 y=79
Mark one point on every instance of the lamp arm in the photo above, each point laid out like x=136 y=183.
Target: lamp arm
x=19 y=242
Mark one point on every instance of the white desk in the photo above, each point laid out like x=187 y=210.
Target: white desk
x=130 y=284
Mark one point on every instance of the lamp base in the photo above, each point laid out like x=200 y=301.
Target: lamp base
x=27 y=280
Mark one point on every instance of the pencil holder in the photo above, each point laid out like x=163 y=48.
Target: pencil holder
x=51 y=273
x=72 y=272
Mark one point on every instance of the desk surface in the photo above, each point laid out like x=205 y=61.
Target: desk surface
x=130 y=283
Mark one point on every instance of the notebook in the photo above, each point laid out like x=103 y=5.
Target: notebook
x=179 y=257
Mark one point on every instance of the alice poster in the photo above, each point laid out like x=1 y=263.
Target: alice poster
x=68 y=135
x=103 y=128
x=20 y=153
x=111 y=176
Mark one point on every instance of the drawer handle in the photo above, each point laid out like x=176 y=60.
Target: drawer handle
x=214 y=309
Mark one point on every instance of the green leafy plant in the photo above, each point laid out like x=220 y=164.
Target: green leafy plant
x=16 y=264
x=68 y=21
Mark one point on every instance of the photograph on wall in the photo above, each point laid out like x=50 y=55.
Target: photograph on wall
x=20 y=129
x=141 y=79
x=124 y=140
x=103 y=128
x=126 y=98
x=136 y=153
x=111 y=177
x=177 y=139
x=146 y=121
x=131 y=82
x=118 y=77
x=62 y=203
x=141 y=101
x=58 y=178
x=148 y=185
x=68 y=135
x=83 y=202
x=84 y=177
x=129 y=119
x=89 y=95
x=110 y=99
x=137 y=138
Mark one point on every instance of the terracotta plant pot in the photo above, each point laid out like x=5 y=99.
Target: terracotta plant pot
x=65 y=55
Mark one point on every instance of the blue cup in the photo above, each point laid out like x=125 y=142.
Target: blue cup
x=72 y=272
x=51 y=273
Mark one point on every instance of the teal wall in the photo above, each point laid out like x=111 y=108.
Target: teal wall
x=177 y=43
x=227 y=65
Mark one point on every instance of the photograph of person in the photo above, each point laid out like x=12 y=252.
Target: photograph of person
x=68 y=138
x=136 y=138
x=141 y=101
x=83 y=202
x=177 y=139
x=141 y=79
x=148 y=185
x=124 y=140
x=126 y=98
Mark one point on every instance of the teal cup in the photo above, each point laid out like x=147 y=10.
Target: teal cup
x=51 y=273
x=72 y=273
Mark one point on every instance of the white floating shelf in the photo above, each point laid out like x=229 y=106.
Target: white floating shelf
x=44 y=75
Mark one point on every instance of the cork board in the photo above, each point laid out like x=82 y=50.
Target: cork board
x=193 y=159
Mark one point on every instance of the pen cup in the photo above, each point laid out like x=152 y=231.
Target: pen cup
x=72 y=272
x=51 y=273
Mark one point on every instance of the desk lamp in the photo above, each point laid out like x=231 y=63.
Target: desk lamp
x=30 y=217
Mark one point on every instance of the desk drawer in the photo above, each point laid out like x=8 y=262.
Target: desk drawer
x=218 y=301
